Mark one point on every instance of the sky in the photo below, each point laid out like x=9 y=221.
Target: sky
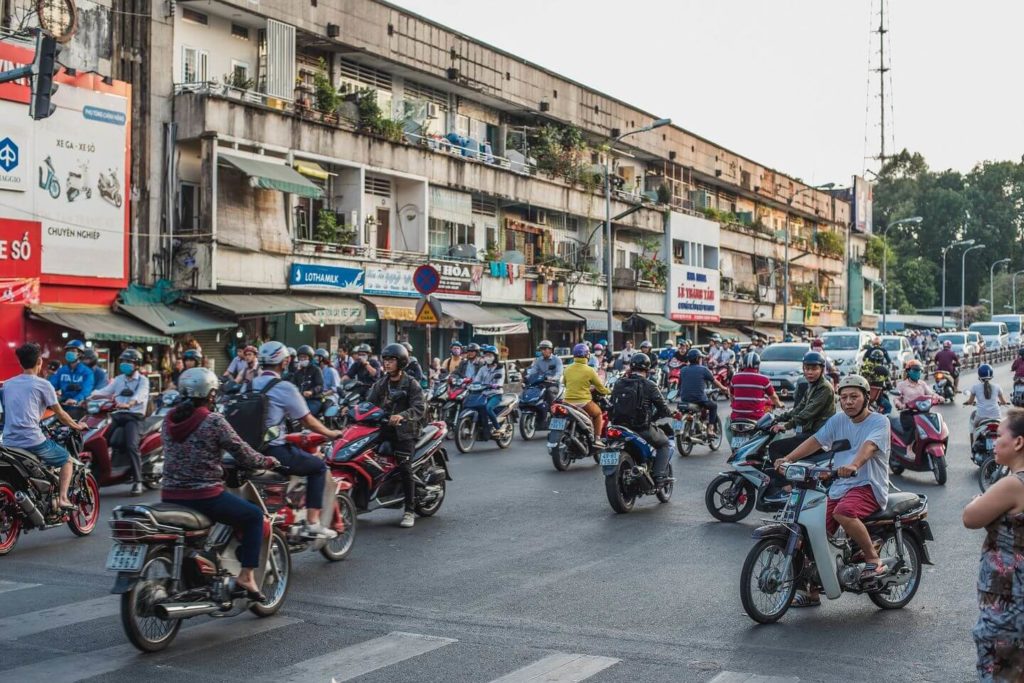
x=784 y=82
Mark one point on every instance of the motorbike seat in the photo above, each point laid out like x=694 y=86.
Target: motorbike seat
x=427 y=435
x=897 y=427
x=24 y=455
x=269 y=477
x=691 y=408
x=898 y=504
x=506 y=401
x=179 y=516
x=151 y=424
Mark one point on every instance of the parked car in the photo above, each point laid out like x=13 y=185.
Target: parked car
x=1013 y=325
x=963 y=345
x=995 y=334
x=899 y=350
x=845 y=348
x=783 y=364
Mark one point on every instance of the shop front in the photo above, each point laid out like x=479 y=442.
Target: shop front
x=560 y=326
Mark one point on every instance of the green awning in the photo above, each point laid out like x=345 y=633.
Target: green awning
x=253 y=305
x=100 y=324
x=660 y=322
x=272 y=175
x=175 y=319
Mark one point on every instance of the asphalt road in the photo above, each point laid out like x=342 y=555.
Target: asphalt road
x=525 y=574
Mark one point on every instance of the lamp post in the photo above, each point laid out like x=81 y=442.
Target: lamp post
x=963 y=285
x=991 y=285
x=608 y=216
x=944 y=250
x=1013 y=282
x=885 y=263
x=785 y=274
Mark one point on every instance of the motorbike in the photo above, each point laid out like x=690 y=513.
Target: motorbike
x=350 y=394
x=923 y=449
x=694 y=430
x=731 y=496
x=78 y=183
x=990 y=472
x=943 y=386
x=285 y=499
x=470 y=426
x=535 y=405
x=627 y=463
x=103 y=450
x=571 y=433
x=983 y=454
x=795 y=548
x=723 y=375
x=48 y=179
x=174 y=563
x=362 y=460
x=446 y=401
x=110 y=187
x=675 y=367
x=330 y=410
x=1017 y=398
x=29 y=488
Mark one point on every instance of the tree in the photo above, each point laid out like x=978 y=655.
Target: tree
x=916 y=277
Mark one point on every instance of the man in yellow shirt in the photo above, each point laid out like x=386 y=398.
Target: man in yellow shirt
x=579 y=378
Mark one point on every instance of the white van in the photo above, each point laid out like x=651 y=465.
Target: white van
x=995 y=334
x=1013 y=325
x=845 y=348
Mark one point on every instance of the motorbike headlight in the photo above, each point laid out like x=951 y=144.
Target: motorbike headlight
x=838 y=361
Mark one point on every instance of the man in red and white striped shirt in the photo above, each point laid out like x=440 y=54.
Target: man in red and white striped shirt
x=752 y=392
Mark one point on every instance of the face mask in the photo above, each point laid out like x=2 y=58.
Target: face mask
x=489 y=359
x=126 y=368
x=914 y=374
x=456 y=352
x=71 y=356
x=303 y=363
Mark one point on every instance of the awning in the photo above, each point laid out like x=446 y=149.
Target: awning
x=332 y=310
x=311 y=169
x=549 y=314
x=597 y=321
x=100 y=324
x=660 y=322
x=484 y=322
x=272 y=175
x=727 y=332
x=768 y=331
x=393 y=307
x=175 y=319
x=253 y=305
x=517 y=321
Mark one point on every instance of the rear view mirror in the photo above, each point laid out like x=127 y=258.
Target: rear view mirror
x=838 y=446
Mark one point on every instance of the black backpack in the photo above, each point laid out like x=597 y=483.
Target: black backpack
x=247 y=414
x=627 y=401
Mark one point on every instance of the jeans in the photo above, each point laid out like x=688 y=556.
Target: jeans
x=403 y=447
x=302 y=464
x=50 y=452
x=709 y=405
x=662 y=451
x=129 y=424
x=228 y=508
x=488 y=414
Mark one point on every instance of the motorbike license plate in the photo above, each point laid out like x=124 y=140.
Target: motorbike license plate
x=990 y=445
x=126 y=557
x=557 y=423
x=677 y=425
x=737 y=441
x=610 y=458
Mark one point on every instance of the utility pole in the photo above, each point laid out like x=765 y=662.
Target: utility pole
x=881 y=70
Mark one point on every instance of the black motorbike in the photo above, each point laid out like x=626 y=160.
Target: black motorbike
x=731 y=496
x=349 y=394
x=445 y=401
x=535 y=404
x=694 y=430
x=628 y=466
x=571 y=433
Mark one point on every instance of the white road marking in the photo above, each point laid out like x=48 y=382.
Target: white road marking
x=559 y=668
x=737 y=677
x=362 y=658
x=21 y=625
x=8 y=586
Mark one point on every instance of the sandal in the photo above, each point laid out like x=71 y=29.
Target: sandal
x=802 y=599
x=873 y=570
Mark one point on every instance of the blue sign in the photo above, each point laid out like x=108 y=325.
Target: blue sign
x=426 y=279
x=332 y=278
x=8 y=155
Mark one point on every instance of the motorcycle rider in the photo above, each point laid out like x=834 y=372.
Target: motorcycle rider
x=642 y=413
x=580 y=380
x=73 y=381
x=648 y=348
x=309 y=379
x=99 y=375
x=192 y=358
x=364 y=369
x=911 y=390
x=947 y=361
x=130 y=393
x=987 y=395
x=876 y=369
x=470 y=363
x=622 y=362
x=251 y=367
x=547 y=365
x=236 y=365
x=818 y=345
x=693 y=380
x=285 y=402
x=330 y=375
x=1018 y=366
x=451 y=364
x=194 y=439
x=413 y=367
x=492 y=375
x=400 y=395
x=752 y=392
x=25 y=398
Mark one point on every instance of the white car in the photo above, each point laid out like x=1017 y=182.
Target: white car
x=995 y=334
x=899 y=350
x=845 y=348
x=963 y=345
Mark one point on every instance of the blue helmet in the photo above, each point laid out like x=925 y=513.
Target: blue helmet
x=580 y=351
x=489 y=348
x=455 y=344
x=75 y=344
x=985 y=371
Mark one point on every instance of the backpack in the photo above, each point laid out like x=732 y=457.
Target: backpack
x=627 y=403
x=247 y=414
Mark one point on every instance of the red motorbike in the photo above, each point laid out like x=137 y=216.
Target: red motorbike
x=723 y=375
x=675 y=366
x=445 y=401
x=364 y=460
x=102 y=447
x=923 y=449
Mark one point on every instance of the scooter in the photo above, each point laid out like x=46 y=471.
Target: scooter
x=571 y=436
x=78 y=182
x=1017 y=398
x=102 y=447
x=731 y=496
x=110 y=187
x=943 y=386
x=446 y=401
x=535 y=404
x=471 y=424
x=723 y=375
x=983 y=440
x=49 y=182
x=924 y=448
x=675 y=367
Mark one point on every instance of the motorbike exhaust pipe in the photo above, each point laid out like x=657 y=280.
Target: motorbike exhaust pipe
x=184 y=610
x=29 y=508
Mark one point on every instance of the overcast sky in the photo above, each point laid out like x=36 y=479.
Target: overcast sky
x=784 y=82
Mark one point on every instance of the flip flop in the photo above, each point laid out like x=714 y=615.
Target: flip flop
x=873 y=570
x=804 y=600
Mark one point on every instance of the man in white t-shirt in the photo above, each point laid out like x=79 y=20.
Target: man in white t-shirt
x=26 y=397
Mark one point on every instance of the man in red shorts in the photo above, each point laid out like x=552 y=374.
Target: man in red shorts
x=752 y=392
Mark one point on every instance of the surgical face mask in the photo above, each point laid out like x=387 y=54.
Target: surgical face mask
x=490 y=359
x=303 y=363
x=457 y=351
x=126 y=368
x=914 y=374
x=71 y=356
x=361 y=358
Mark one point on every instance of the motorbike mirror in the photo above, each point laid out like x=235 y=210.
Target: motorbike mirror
x=838 y=446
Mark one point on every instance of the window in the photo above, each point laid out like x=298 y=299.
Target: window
x=633 y=258
x=443 y=235
x=194 y=16
x=379 y=187
x=188 y=208
x=239 y=72
x=462 y=125
x=620 y=258
x=240 y=32
x=193 y=65
x=492 y=237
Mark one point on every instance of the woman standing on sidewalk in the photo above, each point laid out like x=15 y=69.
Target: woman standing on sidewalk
x=999 y=633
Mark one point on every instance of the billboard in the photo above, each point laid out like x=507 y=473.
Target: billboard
x=694 y=292
x=69 y=172
x=862 y=205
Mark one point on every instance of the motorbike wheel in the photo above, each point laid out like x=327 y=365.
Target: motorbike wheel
x=989 y=473
x=528 y=425
x=560 y=454
x=716 y=443
x=338 y=548
x=465 y=434
x=275 y=586
x=897 y=597
x=82 y=520
x=940 y=471
x=506 y=441
x=614 y=486
x=145 y=630
x=723 y=505
x=683 y=443
x=431 y=509
x=665 y=492
x=765 y=592
x=10 y=520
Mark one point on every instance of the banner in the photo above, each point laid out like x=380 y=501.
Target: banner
x=390 y=282
x=20 y=248
x=457 y=279
x=19 y=290
x=326 y=278
x=694 y=278
x=862 y=205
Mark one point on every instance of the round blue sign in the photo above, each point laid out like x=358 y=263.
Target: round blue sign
x=426 y=279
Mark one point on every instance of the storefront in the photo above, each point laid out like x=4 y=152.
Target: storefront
x=558 y=325
x=651 y=327
x=597 y=325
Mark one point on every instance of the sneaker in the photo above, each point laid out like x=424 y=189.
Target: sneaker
x=136 y=489
x=599 y=443
x=775 y=497
x=319 y=531
x=408 y=520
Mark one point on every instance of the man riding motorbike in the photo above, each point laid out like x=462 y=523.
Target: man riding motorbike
x=947 y=361
x=363 y=369
x=643 y=413
x=911 y=390
x=547 y=365
x=400 y=395
x=752 y=392
x=667 y=352
x=451 y=364
x=492 y=375
x=580 y=378
x=331 y=378
x=130 y=393
x=470 y=362
x=73 y=381
x=876 y=368
x=309 y=379
x=647 y=348
x=1018 y=365
x=251 y=368
x=90 y=360
x=285 y=402
x=693 y=381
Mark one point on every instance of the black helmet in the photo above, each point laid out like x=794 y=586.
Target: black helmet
x=814 y=358
x=640 y=362
x=694 y=355
x=89 y=356
x=193 y=354
x=131 y=356
x=1020 y=352
x=876 y=354
x=398 y=352
x=362 y=348
x=473 y=347
x=305 y=350
x=322 y=354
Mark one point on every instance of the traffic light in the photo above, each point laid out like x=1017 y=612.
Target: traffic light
x=44 y=68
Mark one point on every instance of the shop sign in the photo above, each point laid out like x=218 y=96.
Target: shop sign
x=19 y=290
x=458 y=279
x=389 y=282
x=352 y=313
x=14 y=155
x=694 y=294
x=326 y=278
x=19 y=248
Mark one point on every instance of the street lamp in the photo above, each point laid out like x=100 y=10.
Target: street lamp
x=991 y=285
x=944 y=250
x=608 y=215
x=963 y=285
x=785 y=274
x=1013 y=282
x=885 y=262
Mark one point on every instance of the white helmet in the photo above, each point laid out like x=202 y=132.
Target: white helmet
x=272 y=354
x=197 y=383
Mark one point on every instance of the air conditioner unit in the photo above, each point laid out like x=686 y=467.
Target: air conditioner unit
x=432 y=110
x=539 y=216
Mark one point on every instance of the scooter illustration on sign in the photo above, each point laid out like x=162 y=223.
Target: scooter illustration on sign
x=78 y=182
x=110 y=187
x=50 y=182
